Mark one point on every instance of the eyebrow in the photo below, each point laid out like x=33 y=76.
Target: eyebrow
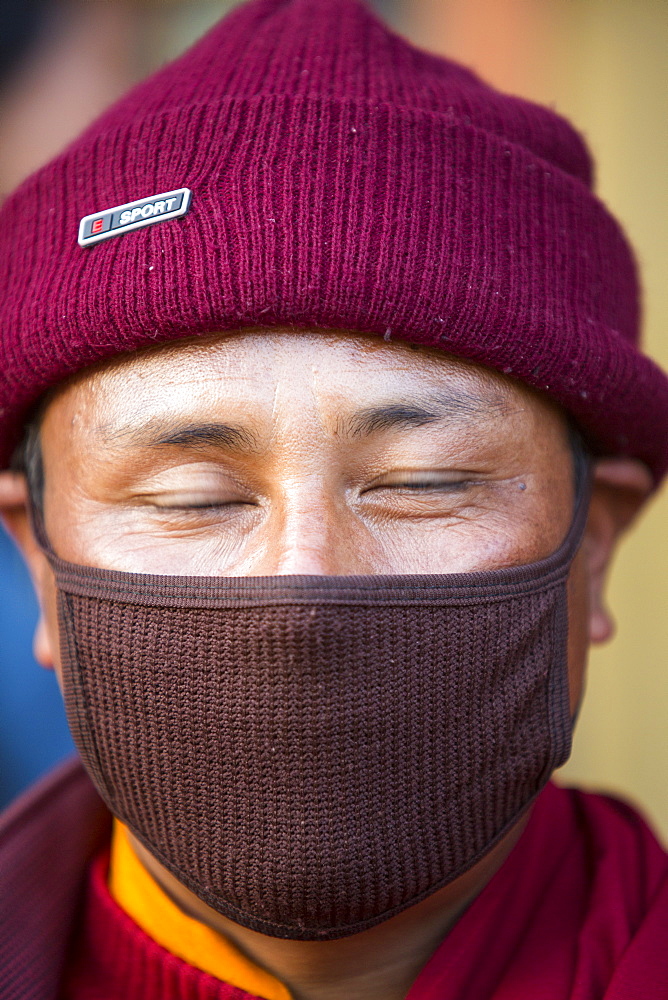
x=457 y=407
x=195 y=436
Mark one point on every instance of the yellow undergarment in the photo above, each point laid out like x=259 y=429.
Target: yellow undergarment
x=137 y=892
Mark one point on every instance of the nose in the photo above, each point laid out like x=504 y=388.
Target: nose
x=311 y=535
x=307 y=559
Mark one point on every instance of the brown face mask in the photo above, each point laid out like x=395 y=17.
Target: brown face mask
x=311 y=755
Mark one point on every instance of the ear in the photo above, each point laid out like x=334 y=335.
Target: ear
x=14 y=516
x=620 y=487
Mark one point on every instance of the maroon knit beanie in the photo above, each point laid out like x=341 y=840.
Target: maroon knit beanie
x=340 y=178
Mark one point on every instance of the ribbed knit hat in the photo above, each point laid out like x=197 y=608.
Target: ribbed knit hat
x=340 y=179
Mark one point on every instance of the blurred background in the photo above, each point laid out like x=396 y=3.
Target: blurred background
x=603 y=64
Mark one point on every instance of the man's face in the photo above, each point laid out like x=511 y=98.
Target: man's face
x=263 y=453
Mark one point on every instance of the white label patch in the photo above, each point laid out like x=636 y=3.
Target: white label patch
x=123 y=218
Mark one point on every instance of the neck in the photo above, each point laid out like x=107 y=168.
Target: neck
x=377 y=964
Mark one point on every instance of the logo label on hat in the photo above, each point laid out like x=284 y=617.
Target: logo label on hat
x=123 y=218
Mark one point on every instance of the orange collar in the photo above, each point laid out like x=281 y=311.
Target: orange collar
x=137 y=892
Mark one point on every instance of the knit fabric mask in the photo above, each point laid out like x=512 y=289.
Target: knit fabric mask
x=310 y=755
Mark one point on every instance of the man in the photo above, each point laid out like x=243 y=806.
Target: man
x=323 y=386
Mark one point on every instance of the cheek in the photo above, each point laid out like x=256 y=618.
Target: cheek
x=578 y=628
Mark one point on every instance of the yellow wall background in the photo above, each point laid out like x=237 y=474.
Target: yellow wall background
x=604 y=64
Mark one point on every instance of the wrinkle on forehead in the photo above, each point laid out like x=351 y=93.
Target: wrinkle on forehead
x=267 y=360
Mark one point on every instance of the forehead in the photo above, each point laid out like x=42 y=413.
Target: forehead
x=271 y=374
x=249 y=356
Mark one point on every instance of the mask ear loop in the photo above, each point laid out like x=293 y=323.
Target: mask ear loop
x=582 y=485
x=582 y=467
x=583 y=479
x=36 y=520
